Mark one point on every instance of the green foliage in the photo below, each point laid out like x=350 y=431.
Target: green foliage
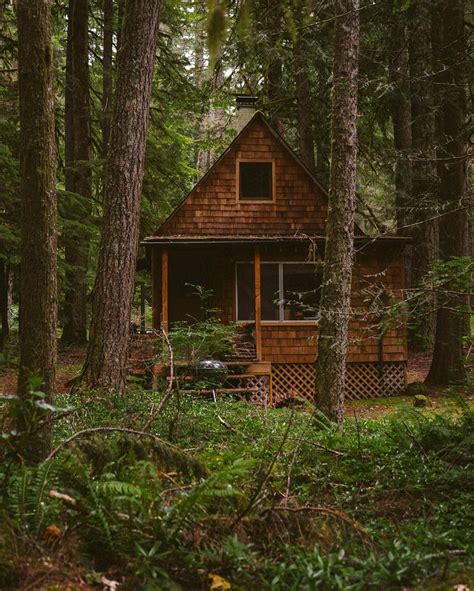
x=313 y=569
x=456 y=274
x=24 y=423
x=204 y=337
x=415 y=388
x=406 y=482
x=27 y=498
x=420 y=400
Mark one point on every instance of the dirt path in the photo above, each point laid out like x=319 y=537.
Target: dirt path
x=418 y=367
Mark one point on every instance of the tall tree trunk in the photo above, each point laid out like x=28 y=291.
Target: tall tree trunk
x=323 y=136
x=424 y=229
x=303 y=94
x=272 y=21
x=78 y=173
x=107 y=79
x=107 y=352
x=448 y=359
x=399 y=74
x=321 y=108
x=38 y=283
x=338 y=258
x=4 y=301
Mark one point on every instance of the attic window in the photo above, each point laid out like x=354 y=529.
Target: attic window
x=255 y=181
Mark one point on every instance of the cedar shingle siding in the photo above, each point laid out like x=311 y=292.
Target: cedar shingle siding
x=213 y=207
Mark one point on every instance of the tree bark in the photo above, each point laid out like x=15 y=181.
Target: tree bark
x=321 y=109
x=38 y=281
x=399 y=75
x=303 y=94
x=323 y=137
x=424 y=228
x=104 y=367
x=448 y=359
x=78 y=173
x=107 y=79
x=338 y=258
x=273 y=16
x=4 y=301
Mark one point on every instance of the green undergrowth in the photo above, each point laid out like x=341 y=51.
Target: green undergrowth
x=232 y=494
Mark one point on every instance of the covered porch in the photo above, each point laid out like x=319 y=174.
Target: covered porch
x=250 y=280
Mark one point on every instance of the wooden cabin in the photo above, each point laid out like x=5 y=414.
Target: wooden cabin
x=253 y=230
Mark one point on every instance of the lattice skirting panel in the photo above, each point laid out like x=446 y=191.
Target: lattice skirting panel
x=292 y=380
x=363 y=380
x=260 y=386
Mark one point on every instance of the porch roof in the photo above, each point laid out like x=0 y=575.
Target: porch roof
x=295 y=238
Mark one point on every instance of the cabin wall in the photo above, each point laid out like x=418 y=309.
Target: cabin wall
x=291 y=342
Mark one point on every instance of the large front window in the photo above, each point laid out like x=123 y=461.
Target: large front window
x=289 y=291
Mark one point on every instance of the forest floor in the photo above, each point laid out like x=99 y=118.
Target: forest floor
x=231 y=496
x=70 y=363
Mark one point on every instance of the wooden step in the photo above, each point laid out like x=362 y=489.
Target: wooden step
x=233 y=376
x=221 y=391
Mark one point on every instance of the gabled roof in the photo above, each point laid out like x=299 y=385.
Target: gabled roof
x=212 y=209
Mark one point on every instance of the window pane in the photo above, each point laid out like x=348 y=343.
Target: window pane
x=270 y=291
x=255 y=180
x=302 y=291
x=245 y=291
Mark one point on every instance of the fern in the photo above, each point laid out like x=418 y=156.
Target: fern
x=27 y=497
x=120 y=489
x=216 y=487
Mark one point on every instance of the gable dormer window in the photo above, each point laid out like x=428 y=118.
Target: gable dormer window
x=255 y=180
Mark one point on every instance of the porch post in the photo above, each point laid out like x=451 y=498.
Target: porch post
x=258 y=305
x=164 y=289
x=155 y=286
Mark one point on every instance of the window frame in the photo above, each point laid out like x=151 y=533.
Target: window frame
x=281 y=287
x=255 y=161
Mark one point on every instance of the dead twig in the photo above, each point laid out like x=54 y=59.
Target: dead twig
x=415 y=440
x=322 y=447
x=356 y=418
x=222 y=421
x=290 y=470
x=254 y=497
x=155 y=412
x=54 y=494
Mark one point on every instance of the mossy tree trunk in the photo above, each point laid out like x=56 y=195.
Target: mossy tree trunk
x=272 y=23
x=4 y=301
x=107 y=72
x=78 y=174
x=303 y=91
x=448 y=358
x=399 y=75
x=38 y=273
x=106 y=359
x=338 y=259
x=424 y=223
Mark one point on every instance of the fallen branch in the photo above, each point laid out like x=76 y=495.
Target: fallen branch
x=326 y=510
